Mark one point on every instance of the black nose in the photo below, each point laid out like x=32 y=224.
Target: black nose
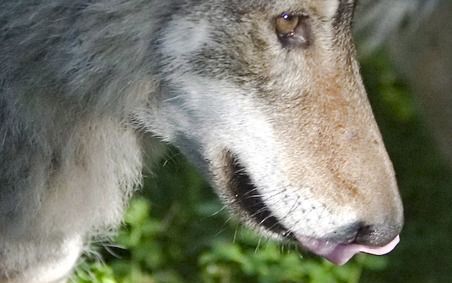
x=377 y=235
x=365 y=234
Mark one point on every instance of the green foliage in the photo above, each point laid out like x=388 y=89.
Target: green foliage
x=186 y=237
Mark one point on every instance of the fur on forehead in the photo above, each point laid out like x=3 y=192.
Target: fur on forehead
x=323 y=8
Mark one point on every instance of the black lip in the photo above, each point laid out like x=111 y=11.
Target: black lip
x=247 y=196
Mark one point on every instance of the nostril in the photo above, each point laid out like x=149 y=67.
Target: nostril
x=346 y=234
x=364 y=233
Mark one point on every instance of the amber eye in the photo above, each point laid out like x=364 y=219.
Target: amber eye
x=286 y=24
x=293 y=29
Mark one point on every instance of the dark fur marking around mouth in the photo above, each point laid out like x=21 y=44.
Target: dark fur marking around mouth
x=248 y=198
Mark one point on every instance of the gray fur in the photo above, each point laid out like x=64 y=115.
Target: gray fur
x=67 y=148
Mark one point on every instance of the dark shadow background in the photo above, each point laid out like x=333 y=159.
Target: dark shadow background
x=425 y=181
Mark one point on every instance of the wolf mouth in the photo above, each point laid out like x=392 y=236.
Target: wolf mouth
x=248 y=198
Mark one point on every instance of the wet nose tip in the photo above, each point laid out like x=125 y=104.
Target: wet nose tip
x=377 y=234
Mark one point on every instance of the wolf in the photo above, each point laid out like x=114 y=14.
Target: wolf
x=263 y=97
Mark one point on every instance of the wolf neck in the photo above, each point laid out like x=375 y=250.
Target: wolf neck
x=71 y=169
x=82 y=143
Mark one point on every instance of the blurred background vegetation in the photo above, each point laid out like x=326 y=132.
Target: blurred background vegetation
x=176 y=230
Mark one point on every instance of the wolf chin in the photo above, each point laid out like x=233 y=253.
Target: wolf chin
x=264 y=97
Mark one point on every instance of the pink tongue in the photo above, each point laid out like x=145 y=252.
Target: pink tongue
x=341 y=254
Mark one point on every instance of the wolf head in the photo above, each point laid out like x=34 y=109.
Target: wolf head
x=265 y=97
